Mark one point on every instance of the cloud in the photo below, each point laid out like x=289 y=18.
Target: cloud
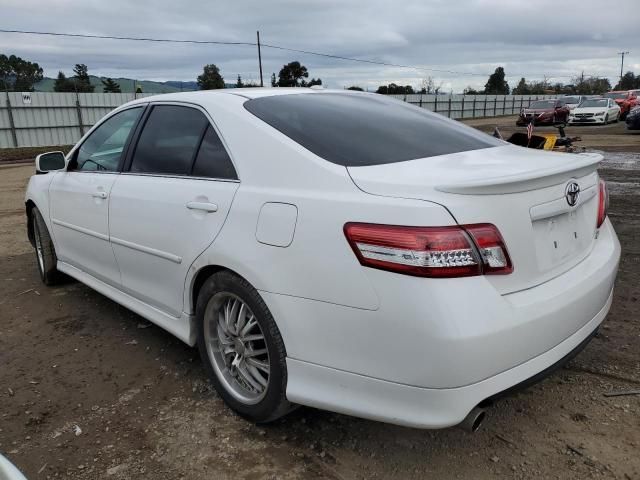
x=531 y=39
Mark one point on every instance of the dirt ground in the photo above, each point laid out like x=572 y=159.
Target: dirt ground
x=90 y=390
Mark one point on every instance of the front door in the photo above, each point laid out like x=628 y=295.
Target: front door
x=79 y=198
x=170 y=204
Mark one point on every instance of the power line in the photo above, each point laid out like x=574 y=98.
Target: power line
x=254 y=44
x=248 y=44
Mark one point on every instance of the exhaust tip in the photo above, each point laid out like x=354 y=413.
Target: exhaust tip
x=474 y=420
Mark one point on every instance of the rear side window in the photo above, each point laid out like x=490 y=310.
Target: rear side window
x=213 y=160
x=169 y=140
x=362 y=130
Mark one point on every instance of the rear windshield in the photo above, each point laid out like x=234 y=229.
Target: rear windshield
x=570 y=100
x=365 y=129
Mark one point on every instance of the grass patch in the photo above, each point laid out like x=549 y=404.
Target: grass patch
x=29 y=153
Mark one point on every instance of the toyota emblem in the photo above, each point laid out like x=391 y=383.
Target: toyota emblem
x=572 y=193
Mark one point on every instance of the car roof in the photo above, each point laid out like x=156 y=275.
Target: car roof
x=204 y=95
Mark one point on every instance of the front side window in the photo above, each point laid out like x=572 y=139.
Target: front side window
x=102 y=150
x=169 y=140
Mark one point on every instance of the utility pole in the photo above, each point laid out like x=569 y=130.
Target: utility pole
x=260 y=58
x=622 y=63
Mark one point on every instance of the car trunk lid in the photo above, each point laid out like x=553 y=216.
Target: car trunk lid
x=521 y=191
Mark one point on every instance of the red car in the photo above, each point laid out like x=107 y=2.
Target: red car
x=626 y=100
x=544 y=112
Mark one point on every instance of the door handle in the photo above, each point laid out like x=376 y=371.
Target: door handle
x=102 y=195
x=204 y=206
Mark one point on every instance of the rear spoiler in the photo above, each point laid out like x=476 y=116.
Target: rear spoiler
x=578 y=165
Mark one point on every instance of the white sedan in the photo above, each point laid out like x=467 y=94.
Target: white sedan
x=595 y=110
x=340 y=250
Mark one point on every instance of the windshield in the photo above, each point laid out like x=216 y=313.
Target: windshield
x=594 y=103
x=365 y=129
x=571 y=100
x=616 y=95
x=543 y=105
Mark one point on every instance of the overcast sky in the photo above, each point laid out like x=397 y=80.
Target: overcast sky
x=530 y=38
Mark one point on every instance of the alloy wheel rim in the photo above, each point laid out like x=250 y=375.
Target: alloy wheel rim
x=237 y=348
x=38 y=240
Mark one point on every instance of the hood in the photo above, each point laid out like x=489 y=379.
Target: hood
x=589 y=110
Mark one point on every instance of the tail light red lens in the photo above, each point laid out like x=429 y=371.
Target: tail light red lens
x=603 y=202
x=455 y=251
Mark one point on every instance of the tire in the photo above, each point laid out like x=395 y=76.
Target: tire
x=606 y=119
x=233 y=363
x=46 y=258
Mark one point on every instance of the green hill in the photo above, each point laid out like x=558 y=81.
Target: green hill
x=126 y=85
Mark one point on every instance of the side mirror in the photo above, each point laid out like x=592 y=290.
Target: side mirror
x=50 y=161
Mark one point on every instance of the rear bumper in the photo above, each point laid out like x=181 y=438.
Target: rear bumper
x=379 y=400
x=436 y=348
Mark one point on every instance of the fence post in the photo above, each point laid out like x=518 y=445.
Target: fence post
x=484 y=111
x=474 y=107
x=79 y=112
x=12 y=124
x=504 y=104
x=462 y=111
x=521 y=103
x=449 y=113
x=435 y=104
x=420 y=100
x=495 y=106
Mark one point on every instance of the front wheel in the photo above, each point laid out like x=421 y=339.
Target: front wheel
x=45 y=252
x=241 y=348
x=606 y=119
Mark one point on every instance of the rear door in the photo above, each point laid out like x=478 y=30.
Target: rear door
x=170 y=203
x=79 y=198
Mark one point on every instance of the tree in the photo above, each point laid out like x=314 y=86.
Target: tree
x=312 y=82
x=274 y=82
x=497 y=85
x=393 y=89
x=292 y=75
x=629 y=81
x=63 y=84
x=356 y=88
x=18 y=74
x=139 y=89
x=110 y=86
x=210 y=78
x=239 y=83
x=471 y=91
x=522 y=88
x=81 y=78
x=590 y=85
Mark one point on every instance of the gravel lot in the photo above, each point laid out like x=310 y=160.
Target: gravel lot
x=91 y=390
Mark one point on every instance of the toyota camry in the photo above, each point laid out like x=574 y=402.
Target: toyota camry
x=340 y=250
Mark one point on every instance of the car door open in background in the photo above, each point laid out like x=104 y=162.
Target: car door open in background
x=80 y=198
x=170 y=203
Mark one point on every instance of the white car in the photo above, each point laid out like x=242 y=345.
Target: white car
x=595 y=110
x=340 y=250
x=8 y=471
x=572 y=101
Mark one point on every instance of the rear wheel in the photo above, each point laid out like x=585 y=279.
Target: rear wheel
x=45 y=252
x=241 y=348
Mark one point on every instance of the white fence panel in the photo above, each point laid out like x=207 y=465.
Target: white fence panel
x=49 y=118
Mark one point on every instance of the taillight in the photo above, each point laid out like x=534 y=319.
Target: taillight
x=455 y=251
x=603 y=202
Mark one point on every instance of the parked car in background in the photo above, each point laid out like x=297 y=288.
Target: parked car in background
x=633 y=119
x=320 y=254
x=572 y=101
x=595 y=110
x=626 y=100
x=544 y=112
